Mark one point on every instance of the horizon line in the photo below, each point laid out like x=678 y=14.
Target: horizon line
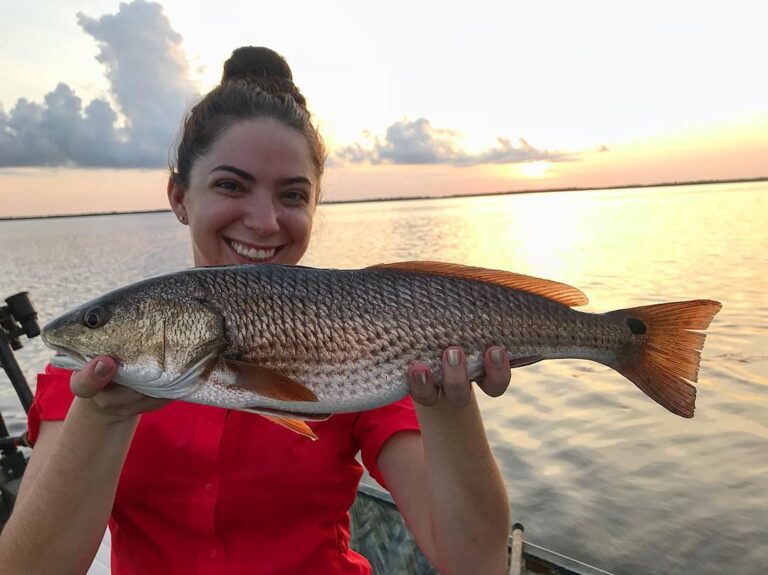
x=410 y=198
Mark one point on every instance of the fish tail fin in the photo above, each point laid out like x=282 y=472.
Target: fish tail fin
x=671 y=352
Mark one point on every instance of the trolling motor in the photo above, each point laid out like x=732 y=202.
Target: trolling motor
x=17 y=318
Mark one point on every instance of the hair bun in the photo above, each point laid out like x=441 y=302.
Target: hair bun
x=256 y=62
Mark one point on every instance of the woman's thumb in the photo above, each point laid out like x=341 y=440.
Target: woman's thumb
x=94 y=377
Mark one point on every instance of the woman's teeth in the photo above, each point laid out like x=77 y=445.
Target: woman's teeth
x=253 y=253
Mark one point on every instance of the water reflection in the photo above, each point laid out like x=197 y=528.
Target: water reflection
x=580 y=447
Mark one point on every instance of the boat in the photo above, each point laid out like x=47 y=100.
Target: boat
x=379 y=534
x=378 y=531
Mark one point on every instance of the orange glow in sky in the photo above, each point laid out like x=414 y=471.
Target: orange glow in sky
x=584 y=95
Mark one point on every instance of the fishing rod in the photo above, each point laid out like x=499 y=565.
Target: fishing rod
x=18 y=317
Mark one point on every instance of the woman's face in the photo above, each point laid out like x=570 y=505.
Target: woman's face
x=251 y=198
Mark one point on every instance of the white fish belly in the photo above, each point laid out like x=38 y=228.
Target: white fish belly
x=334 y=396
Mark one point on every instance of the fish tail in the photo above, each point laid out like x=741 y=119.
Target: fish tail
x=671 y=351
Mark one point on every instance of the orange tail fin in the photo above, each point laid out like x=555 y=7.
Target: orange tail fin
x=671 y=353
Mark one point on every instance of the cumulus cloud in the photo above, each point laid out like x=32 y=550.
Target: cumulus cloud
x=417 y=142
x=150 y=86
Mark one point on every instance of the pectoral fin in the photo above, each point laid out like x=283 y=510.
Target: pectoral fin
x=274 y=385
x=267 y=382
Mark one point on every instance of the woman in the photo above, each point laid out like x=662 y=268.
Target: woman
x=188 y=488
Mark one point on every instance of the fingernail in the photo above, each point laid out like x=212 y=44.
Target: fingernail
x=454 y=357
x=420 y=377
x=497 y=357
x=101 y=369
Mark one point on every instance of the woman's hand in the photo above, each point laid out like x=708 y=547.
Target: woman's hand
x=114 y=401
x=444 y=479
x=456 y=387
x=72 y=477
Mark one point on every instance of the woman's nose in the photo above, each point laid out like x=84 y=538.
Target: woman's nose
x=261 y=217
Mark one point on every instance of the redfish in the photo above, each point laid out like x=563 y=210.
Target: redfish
x=294 y=343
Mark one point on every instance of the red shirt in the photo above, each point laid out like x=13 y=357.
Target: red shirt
x=211 y=491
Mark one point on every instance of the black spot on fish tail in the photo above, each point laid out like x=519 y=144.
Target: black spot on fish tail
x=636 y=326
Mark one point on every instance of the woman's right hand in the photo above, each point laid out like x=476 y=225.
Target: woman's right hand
x=115 y=402
x=72 y=476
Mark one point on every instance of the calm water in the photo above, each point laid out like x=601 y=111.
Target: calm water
x=594 y=469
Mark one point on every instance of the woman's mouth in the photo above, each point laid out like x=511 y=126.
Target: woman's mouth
x=253 y=254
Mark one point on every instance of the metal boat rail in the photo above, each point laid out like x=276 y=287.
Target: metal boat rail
x=380 y=535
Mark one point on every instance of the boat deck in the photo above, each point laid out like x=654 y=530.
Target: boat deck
x=379 y=533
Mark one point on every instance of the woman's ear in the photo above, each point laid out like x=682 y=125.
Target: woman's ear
x=176 y=198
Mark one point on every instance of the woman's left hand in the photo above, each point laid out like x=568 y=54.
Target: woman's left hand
x=456 y=388
x=445 y=476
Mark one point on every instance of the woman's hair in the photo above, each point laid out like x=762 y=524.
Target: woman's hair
x=256 y=83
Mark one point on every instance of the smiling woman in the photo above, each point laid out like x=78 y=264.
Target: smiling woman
x=251 y=197
x=231 y=492
x=248 y=167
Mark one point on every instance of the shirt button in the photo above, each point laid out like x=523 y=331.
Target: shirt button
x=213 y=553
x=209 y=486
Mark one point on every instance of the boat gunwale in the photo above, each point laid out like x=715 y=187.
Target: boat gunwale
x=533 y=552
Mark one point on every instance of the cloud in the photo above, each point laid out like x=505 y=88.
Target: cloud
x=417 y=142
x=150 y=86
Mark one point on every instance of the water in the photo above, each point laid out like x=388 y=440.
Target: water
x=593 y=468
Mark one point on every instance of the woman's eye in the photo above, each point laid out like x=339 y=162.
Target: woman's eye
x=228 y=186
x=296 y=196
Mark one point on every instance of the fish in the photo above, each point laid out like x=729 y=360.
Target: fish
x=297 y=344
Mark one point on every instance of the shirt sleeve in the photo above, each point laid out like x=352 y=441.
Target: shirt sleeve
x=52 y=399
x=373 y=428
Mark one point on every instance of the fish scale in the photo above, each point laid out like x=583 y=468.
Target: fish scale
x=415 y=313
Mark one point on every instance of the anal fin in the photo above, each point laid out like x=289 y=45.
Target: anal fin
x=523 y=361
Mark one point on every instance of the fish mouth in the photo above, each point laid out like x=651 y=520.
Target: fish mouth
x=67 y=358
x=252 y=254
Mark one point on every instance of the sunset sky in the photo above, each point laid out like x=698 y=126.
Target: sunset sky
x=413 y=98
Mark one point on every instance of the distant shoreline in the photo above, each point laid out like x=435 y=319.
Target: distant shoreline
x=408 y=198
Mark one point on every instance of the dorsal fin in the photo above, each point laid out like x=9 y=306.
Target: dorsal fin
x=556 y=291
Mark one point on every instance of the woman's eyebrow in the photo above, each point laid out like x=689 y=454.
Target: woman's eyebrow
x=296 y=180
x=242 y=173
x=246 y=176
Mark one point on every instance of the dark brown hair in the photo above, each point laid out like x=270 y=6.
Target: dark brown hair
x=256 y=83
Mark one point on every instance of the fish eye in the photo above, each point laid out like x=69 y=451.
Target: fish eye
x=95 y=317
